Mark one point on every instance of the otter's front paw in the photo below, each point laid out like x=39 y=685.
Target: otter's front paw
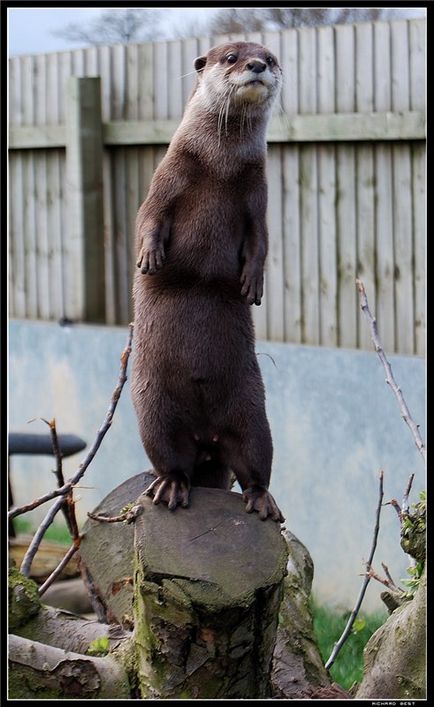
x=252 y=281
x=173 y=490
x=257 y=498
x=151 y=259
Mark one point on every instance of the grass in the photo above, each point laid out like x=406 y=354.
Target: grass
x=56 y=532
x=328 y=626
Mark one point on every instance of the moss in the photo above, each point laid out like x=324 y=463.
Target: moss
x=24 y=601
x=24 y=684
x=413 y=531
x=99 y=647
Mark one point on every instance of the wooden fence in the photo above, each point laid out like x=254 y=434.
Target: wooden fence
x=346 y=172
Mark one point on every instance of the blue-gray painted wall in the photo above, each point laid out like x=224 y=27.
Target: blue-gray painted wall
x=335 y=424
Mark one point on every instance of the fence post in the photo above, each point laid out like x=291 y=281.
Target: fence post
x=84 y=278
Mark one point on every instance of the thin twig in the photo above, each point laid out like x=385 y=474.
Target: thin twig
x=406 y=495
x=388 y=582
x=128 y=516
x=49 y=581
x=337 y=647
x=66 y=488
x=36 y=541
x=373 y=575
x=388 y=575
x=67 y=508
x=405 y=413
x=393 y=502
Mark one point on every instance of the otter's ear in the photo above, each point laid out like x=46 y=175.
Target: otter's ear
x=199 y=63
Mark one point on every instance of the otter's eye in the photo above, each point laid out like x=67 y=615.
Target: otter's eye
x=231 y=58
x=270 y=61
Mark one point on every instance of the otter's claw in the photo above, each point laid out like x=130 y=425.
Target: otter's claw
x=259 y=499
x=151 y=259
x=252 y=285
x=171 y=490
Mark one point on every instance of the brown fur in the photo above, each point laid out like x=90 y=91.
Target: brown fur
x=201 y=246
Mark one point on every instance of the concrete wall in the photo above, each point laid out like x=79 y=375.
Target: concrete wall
x=334 y=421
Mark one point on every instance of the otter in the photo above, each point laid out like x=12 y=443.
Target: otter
x=201 y=244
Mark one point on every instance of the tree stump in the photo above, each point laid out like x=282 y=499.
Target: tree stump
x=208 y=582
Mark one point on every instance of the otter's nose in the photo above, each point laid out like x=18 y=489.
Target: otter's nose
x=257 y=66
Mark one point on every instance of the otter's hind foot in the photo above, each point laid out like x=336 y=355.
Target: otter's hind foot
x=257 y=498
x=173 y=490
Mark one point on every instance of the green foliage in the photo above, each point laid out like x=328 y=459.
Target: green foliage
x=99 y=647
x=415 y=573
x=328 y=625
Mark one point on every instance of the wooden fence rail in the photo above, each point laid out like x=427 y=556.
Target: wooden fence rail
x=346 y=172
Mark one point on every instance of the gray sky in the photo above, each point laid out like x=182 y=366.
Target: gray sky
x=30 y=29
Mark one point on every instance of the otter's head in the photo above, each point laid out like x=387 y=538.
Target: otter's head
x=238 y=75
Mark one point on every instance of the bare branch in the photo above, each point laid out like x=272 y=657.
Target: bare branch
x=49 y=581
x=66 y=488
x=36 y=541
x=346 y=632
x=405 y=413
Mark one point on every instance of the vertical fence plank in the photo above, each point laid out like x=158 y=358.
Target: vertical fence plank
x=345 y=189
x=132 y=163
x=417 y=69
x=78 y=62
x=383 y=203
x=273 y=302
x=275 y=260
x=29 y=231
x=403 y=221
x=291 y=193
x=91 y=61
x=308 y=178
x=17 y=303
x=419 y=226
x=417 y=60
x=292 y=245
x=365 y=177
x=41 y=230
x=65 y=71
x=146 y=104
x=174 y=70
x=190 y=51
x=161 y=105
x=85 y=278
x=105 y=62
x=327 y=195
x=119 y=177
x=54 y=197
